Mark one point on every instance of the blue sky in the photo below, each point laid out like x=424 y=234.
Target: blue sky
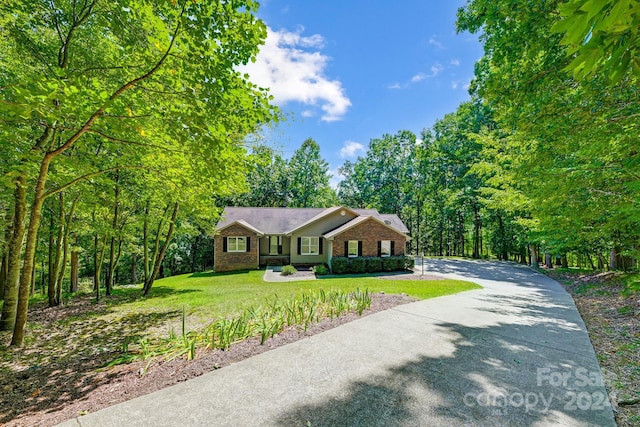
x=345 y=72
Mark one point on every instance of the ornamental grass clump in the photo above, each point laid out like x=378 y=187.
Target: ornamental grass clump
x=263 y=322
x=288 y=270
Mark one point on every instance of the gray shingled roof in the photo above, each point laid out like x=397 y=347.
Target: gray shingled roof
x=282 y=220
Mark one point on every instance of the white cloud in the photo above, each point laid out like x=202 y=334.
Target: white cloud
x=455 y=84
x=293 y=68
x=436 y=69
x=350 y=149
x=307 y=113
x=418 y=77
x=434 y=42
x=455 y=62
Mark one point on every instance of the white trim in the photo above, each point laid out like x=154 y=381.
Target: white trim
x=321 y=215
x=243 y=223
x=359 y=220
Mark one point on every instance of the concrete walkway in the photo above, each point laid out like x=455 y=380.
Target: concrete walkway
x=272 y=274
x=514 y=353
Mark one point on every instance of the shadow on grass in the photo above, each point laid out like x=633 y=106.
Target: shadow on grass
x=65 y=350
x=61 y=369
x=214 y=274
x=127 y=295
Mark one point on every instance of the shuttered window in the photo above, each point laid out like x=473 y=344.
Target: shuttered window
x=353 y=249
x=237 y=244
x=310 y=246
x=385 y=248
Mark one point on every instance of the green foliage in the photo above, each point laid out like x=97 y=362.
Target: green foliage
x=339 y=265
x=133 y=105
x=409 y=262
x=601 y=36
x=263 y=321
x=302 y=181
x=320 y=270
x=310 y=178
x=374 y=264
x=357 y=265
x=389 y=264
x=376 y=180
x=288 y=270
x=559 y=166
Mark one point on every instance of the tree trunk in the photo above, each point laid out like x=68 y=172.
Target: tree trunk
x=563 y=261
x=160 y=255
x=54 y=293
x=30 y=252
x=98 y=259
x=145 y=244
x=613 y=259
x=74 y=272
x=134 y=269
x=3 y=272
x=534 y=256
x=4 y=266
x=477 y=224
x=548 y=261
x=12 y=283
x=33 y=279
x=65 y=248
x=114 y=226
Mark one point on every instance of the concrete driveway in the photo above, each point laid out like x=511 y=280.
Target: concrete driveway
x=513 y=353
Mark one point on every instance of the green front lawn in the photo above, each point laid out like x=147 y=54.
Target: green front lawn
x=211 y=295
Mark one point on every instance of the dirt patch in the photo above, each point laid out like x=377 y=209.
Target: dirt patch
x=611 y=316
x=43 y=387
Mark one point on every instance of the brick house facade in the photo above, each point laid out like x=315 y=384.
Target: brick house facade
x=248 y=238
x=231 y=261
x=369 y=233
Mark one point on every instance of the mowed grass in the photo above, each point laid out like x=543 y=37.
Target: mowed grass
x=215 y=295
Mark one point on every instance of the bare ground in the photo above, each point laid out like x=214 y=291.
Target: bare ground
x=64 y=375
x=611 y=317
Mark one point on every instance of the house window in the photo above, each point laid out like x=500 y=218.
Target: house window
x=310 y=246
x=236 y=244
x=353 y=249
x=385 y=248
x=275 y=245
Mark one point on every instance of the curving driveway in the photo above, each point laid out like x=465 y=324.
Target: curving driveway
x=513 y=353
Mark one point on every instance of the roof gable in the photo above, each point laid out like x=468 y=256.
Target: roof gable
x=359 y=220
x=282 y=221
x=321 y=215
x=242 y=223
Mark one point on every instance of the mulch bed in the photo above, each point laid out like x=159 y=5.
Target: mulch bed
x=64 y=389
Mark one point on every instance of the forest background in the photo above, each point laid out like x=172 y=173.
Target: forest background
x=125 y=129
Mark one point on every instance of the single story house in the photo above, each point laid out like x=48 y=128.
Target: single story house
x=247 y=238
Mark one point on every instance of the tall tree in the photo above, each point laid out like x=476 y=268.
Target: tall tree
x=310 y=177
x=568 y=142
x=143 y=76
